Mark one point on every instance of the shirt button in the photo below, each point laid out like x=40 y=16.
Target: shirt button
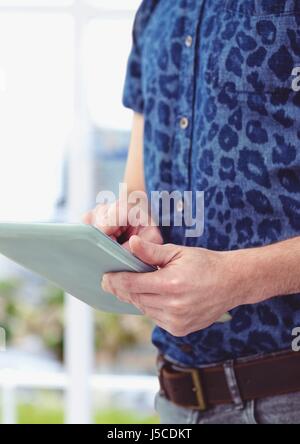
x=188 y=41
x=179 y=206
x=184 y=122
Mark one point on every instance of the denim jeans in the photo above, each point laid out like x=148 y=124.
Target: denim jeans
x=283 y=409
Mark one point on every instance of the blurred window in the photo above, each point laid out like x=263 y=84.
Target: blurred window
x=116 y=4
x=38 y=3
x=36 y=110
x=37 y=92
x=106 y=47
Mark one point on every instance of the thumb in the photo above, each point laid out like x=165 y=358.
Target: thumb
x=87 y=217
x=150 y=253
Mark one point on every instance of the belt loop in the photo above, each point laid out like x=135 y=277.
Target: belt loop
x=232 y=384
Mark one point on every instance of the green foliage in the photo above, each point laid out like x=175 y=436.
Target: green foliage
x=50 y=322
x=113 y=333
x=45 y=319
x=31 y=414
x=114 y=416
x=10 y=310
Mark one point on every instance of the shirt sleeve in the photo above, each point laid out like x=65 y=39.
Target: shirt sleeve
x=133 y=93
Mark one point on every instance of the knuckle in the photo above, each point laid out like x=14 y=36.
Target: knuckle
x=174 y=285
x=175 y=306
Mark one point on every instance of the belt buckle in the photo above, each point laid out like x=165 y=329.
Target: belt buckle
x=198 y=389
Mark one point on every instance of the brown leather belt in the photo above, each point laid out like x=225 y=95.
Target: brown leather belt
x=201 y=388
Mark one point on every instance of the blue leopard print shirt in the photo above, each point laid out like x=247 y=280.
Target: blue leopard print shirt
x=226 y=66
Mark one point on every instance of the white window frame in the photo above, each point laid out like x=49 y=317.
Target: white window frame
x=79 y=341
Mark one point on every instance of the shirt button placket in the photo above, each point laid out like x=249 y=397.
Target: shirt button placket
x=189 y=41
x=186 y=117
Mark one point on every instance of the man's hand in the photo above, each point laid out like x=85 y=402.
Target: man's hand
x=194 y=287
x=191 y=290
x=112 y=220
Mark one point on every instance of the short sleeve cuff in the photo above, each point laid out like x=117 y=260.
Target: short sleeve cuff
x=132 y=93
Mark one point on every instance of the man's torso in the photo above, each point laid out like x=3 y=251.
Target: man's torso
x=226 y=67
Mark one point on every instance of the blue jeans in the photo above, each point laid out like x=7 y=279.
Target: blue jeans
x=283 y=409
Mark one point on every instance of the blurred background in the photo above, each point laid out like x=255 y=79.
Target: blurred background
x=63 y=137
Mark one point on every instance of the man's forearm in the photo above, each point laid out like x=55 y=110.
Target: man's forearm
x=268 y=271
x=134 y=173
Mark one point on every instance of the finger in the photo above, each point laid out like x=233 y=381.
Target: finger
x=122 y=296
x=105 y=218
x=151 y=234
x=113 y=214
x=143 y=308
x=87 y=217
x=129 y=282
x=126 y=245
x=150 y=252
x=156 y=316
x=148 y=300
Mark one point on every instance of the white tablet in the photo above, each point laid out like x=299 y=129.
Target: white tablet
x=74 y=257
